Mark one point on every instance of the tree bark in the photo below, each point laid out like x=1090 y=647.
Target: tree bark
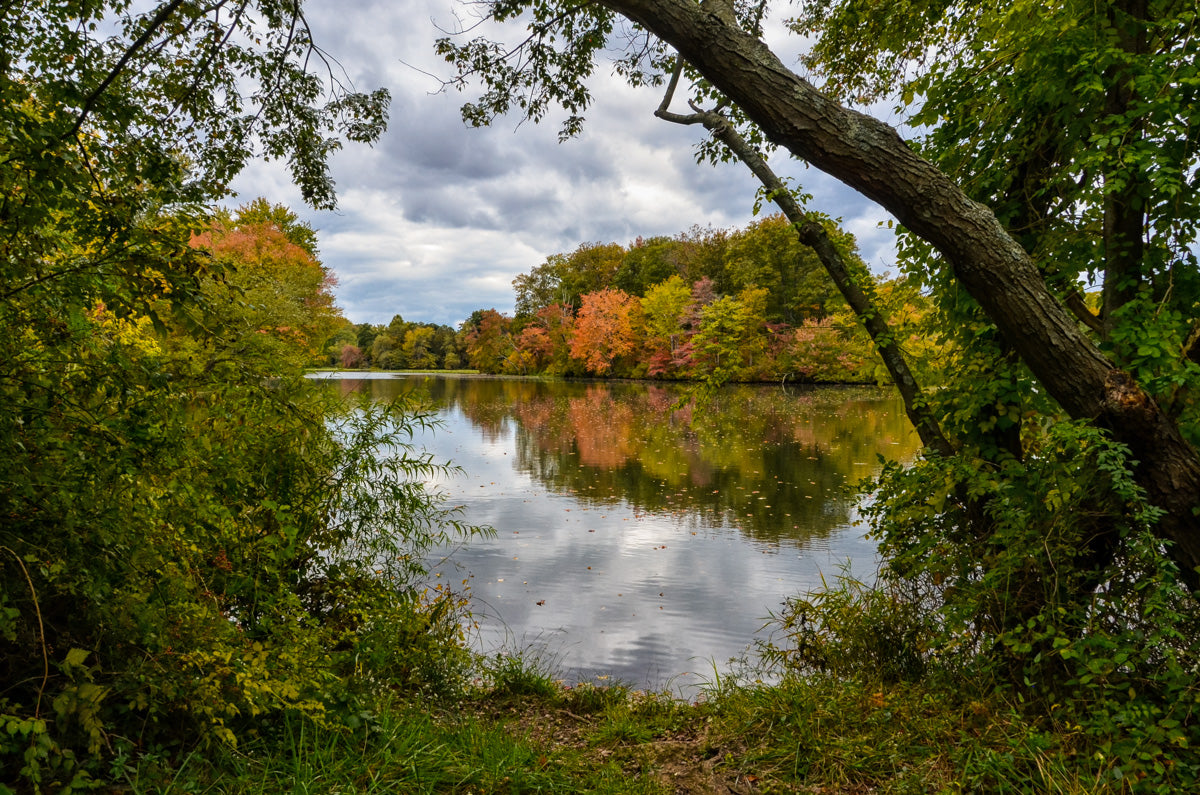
x=870 y=156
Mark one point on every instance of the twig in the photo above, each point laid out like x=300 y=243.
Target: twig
x=41 y=631
x=163 y=14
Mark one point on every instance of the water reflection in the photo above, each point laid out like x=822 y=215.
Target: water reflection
x=635 y=539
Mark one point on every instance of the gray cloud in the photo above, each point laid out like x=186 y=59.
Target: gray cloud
x=436 y=219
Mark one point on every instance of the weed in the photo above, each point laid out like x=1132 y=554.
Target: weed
x=515 y=675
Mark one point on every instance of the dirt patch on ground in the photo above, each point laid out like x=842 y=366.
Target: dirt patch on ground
x=682 y=761
x=686 y=768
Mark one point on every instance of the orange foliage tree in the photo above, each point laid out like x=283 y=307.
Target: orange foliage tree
x=608 y=327
x=276 y=296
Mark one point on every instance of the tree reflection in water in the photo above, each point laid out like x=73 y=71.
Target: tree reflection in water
x=626 y=522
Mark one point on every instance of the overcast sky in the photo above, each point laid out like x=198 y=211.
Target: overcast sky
x=437 y=218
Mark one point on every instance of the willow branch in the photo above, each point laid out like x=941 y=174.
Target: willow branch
x=41 y=631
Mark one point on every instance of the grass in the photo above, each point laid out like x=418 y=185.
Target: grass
x=523 y=732
x=507 y=724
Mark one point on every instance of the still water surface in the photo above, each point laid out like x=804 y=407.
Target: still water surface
x=635 y=541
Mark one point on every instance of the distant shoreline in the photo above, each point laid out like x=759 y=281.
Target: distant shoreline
x=367 y=375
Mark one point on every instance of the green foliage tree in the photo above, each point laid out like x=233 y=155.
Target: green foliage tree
x=345 y=334
x=445 y=348
x=365 y=336
x=1054 y=538
x=729 y=340
x=418 y=348
x=647 y=263
x=189 y=543
x=768 y=255
x=542 y=286
x=663 y=309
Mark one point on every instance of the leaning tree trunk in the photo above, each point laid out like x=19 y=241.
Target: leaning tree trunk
x=870 y=156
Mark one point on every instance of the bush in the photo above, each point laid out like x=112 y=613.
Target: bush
x=1038 y=582
x=192 y=543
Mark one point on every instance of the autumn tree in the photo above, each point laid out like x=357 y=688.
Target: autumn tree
x=274 y=292
x=350 y=357
x=558 y=322
x=534 y=349
x=487 y=340
x=607 y=329
x=663 y=308
x=261 y=212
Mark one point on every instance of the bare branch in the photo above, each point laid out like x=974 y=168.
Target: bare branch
x=813 y=235
x=1191 y=348
x=1087 y=317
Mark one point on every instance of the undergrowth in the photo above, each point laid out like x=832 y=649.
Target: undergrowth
x=524 y=731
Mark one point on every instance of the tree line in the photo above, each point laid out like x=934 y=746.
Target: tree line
x=752 y=304
x=397 y=345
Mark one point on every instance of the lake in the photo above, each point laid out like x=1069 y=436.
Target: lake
x=640 y=542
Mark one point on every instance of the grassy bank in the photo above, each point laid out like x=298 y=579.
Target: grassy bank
x=524 y=732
